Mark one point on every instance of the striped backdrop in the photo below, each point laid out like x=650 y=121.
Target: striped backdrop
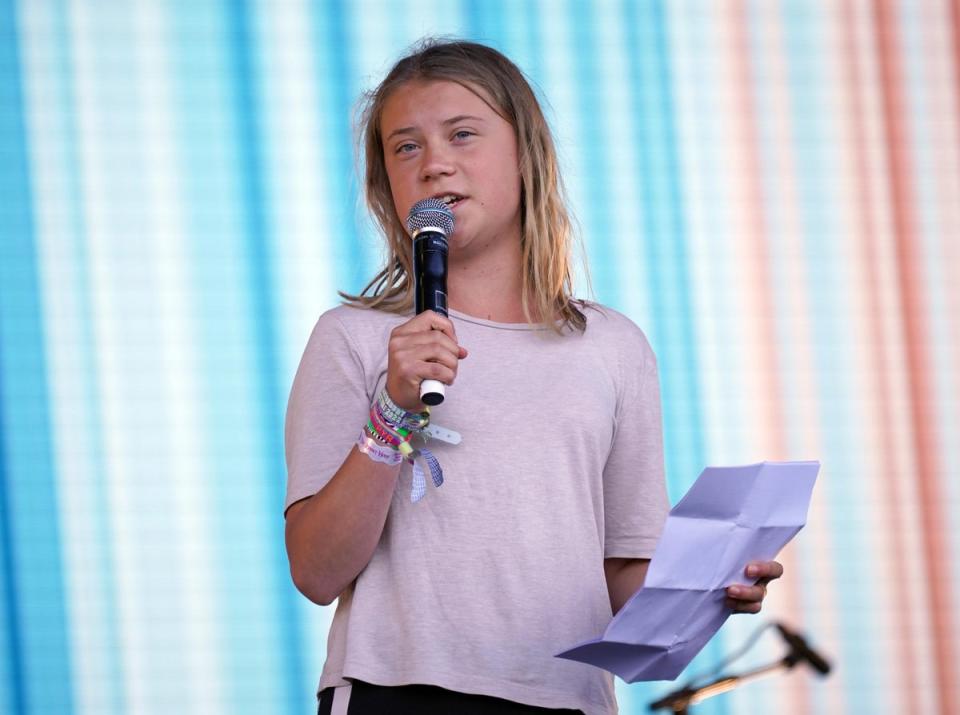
x=771 y=189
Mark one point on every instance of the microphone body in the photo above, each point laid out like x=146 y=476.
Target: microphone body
x=802 y=650
x=430 y=271
x=430 y=222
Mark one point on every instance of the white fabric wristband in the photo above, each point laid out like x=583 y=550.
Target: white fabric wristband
x=376 y=451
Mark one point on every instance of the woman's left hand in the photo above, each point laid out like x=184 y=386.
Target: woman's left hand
x=749 y=599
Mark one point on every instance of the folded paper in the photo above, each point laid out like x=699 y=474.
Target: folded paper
x=730 y=516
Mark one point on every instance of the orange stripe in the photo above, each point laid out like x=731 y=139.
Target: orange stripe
x=758 y=274
x=954 y=35
x=929 y=470
x=867 y=227
x=761 y=298
x=951 y=243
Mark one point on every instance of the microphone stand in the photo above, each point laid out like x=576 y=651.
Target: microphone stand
x=680 y=701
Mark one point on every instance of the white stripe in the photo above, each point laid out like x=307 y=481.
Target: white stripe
x=705 y=214
x=101 y=199
x=295 y=161
x=165 y=236
x=341 y=700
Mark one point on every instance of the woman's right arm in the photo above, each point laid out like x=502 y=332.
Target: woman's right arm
x=331 y=536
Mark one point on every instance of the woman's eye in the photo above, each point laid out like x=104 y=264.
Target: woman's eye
x=406 y=148
x=463 y=134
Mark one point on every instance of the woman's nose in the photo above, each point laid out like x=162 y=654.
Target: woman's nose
x=436 y=162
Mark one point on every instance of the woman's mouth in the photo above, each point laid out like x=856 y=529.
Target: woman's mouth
x=451 y=200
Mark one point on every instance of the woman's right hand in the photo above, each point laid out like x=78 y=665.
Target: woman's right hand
x=423 y=348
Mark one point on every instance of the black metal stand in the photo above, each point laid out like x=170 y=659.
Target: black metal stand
x=680 y=701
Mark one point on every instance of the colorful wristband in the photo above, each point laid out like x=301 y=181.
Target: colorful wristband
x=387 y=438
x=378 y=452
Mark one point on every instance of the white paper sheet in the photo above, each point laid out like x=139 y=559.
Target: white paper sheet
x=729 y=517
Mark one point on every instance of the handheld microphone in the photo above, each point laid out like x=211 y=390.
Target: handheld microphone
x=429 y=223
x=802 y=651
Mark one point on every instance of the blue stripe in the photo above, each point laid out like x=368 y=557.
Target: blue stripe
x=686 y=452
x=595 y=209
x=534 y=41
x=484 y=21
x=688 y=458
x=37 y=646
x=11 y=667
x=472 y=10
x=664 y=237
x=339 y=88
x=256 y=238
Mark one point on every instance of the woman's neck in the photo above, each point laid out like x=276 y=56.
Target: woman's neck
x=489 y=289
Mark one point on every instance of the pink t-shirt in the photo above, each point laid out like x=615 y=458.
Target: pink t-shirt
x=477 y=586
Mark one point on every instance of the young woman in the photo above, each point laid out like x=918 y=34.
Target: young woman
x=554 y=499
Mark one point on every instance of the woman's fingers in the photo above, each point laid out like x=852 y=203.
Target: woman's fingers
x=749 y=599
x=434 y=371
x=765 y=571
x=426 y=321
x=426 y=342
x=745 y=599
x=423 y=348
x=426 y=348
x=743 y=606
x=430 y=340
x=747 y=593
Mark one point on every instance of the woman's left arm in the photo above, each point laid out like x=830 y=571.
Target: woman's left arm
x=749 y=599
x=624 y=578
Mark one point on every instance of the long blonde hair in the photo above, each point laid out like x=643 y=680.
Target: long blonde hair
x=546 y=230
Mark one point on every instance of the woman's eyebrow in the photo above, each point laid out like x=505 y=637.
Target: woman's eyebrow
x=445 y=122
x=401 y=130
x=460 y=118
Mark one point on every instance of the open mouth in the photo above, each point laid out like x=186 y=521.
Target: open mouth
x=451 y=200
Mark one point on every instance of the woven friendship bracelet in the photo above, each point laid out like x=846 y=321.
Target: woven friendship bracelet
x=390 y=427
x=389 y=409
x=398 y=440
x=378 y=429
x=395 y=416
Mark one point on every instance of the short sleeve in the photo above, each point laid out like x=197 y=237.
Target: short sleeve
x=326 y=410
x=634 y=486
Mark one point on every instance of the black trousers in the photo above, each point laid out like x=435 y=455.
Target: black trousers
x=369 y=699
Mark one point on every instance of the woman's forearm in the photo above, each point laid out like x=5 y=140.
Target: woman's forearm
x=331 y=536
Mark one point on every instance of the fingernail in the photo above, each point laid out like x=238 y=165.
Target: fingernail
x=735 y=591
x=752 y=571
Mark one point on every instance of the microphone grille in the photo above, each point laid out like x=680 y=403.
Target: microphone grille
x=430 y=212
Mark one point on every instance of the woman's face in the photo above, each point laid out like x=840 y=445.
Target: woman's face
x=442 y=140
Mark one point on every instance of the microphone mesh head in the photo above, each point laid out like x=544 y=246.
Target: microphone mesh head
x=430 y=212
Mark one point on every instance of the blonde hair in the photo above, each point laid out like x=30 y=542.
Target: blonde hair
x=546 y=229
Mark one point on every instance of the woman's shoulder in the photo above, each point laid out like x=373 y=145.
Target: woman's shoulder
x=611 y=326
x=362 y=330
x=352 y=316
x=606 y=318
